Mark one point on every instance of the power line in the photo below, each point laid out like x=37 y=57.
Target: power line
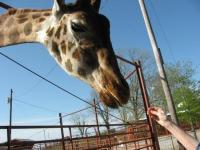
x=57 y=86
x=38 y=75
x=65 y=115
x=38 y=82
x=163 y=31
x=35 y=106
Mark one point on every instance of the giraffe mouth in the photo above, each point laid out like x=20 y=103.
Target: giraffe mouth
x=115 y=94
x=113 y=90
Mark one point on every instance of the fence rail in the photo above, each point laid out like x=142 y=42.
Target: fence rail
x=128 y=136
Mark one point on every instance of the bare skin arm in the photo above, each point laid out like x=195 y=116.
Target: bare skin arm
x=185 y=139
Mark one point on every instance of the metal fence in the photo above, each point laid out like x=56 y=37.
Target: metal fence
x=120 y=137
x=138 y=139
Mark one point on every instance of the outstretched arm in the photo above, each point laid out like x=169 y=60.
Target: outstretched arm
x=158 y=114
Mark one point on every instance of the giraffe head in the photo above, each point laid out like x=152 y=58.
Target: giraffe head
x=79 y=38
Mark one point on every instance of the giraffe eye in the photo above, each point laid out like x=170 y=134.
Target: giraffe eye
x=77 y=27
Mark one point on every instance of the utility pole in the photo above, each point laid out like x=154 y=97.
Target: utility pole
x=159 y=62
x=10 y=119
x=10 y=102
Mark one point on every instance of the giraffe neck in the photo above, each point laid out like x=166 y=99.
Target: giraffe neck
x=22 y=26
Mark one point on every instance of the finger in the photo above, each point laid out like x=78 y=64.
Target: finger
x=154 y=112
x=154 y=117
x=154 y=108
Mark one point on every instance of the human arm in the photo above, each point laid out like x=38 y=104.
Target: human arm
x=185 y=139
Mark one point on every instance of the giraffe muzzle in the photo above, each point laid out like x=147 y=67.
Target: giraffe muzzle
x=114 y=91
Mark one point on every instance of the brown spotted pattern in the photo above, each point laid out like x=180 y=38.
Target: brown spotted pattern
x=10 y=22
x=28 y=28
x=63 y=47
x=1 y=37
x=81 y=72
x=70 y=45
x=68 y=65
x=57 y=34
x=42 y=19
x=85 y=51
x=35 y=16
x=56 y=51
x=14 y=35
x=65 y=30
x=50 y=32
x=76 y=54
x=20 y=21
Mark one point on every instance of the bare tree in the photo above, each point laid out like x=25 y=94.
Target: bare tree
x=78 y=119
x=134 y=110
x=102 y=110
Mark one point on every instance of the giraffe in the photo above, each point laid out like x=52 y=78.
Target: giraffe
x=78 y=37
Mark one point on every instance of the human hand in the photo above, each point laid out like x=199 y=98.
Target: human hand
x=158 y=114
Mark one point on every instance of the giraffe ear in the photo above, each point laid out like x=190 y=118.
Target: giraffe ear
x=95 y=4
x=58 y=6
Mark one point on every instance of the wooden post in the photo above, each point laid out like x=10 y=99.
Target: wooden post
x=147 y=105
x=62 y=131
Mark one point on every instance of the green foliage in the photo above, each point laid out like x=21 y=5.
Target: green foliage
x=188 y=104
x=185 y=91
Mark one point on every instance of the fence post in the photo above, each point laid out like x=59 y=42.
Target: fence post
x=8 y=137
x=62 y=131
x=147 y=105
x=97 y=122
x=70 y=133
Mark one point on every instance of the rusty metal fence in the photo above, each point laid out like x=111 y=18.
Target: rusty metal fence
x=121 y=137
x=137 y=138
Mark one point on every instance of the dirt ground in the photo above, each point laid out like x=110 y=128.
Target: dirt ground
x=170 y=143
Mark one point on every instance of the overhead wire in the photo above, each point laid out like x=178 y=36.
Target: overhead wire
x=59 y=87
x=162 y=30
x=38 y=82
x=52 y=83
x=38 y=75
x=35 y=106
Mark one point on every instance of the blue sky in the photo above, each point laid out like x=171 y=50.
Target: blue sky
x=176 y=24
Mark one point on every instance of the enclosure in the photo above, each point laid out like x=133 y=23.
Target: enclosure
x=139 y=135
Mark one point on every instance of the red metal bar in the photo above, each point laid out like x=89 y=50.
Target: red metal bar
x=125 y=60
x=97 y=122
x=147 y=105
x=62 y=131
x=130 y=74
x=139 y=148
x=64 y=126
x=71 y=140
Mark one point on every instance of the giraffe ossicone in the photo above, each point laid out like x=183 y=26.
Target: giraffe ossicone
x=78 y=37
